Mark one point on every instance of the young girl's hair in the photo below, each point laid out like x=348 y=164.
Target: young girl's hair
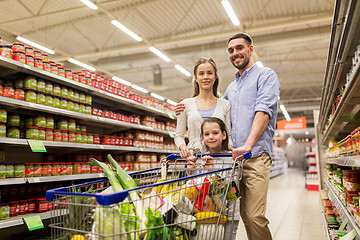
x=225 y=142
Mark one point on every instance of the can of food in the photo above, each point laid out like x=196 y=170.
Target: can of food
x=183 y=204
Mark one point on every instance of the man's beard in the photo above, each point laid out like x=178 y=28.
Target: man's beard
x=243 y=65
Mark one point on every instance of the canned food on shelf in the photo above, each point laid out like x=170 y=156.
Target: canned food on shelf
x=8 y=91
x=6 y=51
x=19 y=93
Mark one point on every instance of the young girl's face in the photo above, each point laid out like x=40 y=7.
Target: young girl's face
x=213 y=136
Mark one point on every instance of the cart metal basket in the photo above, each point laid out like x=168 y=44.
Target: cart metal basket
x=170 y=202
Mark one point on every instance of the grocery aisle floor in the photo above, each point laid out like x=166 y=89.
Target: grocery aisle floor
x=294 y=213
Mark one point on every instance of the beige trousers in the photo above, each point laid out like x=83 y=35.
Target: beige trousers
x=253 y=189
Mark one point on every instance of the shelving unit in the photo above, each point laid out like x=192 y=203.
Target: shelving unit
x=9 y=67
x=278 y=164
x=344 y=213
x=312 y=175
x=340 y=111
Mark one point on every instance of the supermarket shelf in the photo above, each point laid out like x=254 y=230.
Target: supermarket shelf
x=353 y=161
x=19 y=220
x=342 y=209
x=23 y=142
x=58 y=111
x=24 y=68
x=324 y=222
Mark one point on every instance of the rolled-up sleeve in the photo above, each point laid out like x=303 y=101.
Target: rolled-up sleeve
x=268 y=93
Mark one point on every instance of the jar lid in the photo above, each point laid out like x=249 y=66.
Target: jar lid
x=17 y=43
x=4 y=204
x=37 y=51
x=68 y=70
x=5 y=46
x=29 y=47
x=44 y=54
x=37 y=58
x=57 y=130
x=13 y=202
x=52 y=62
x=33 y=127
x=40 y=92
x=29 y=55
x=59 y=67
x=41 y=199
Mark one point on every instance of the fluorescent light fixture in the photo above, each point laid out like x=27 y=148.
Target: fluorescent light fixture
x=282 y=107
x=121 y=81
x=89 y=4
x=126 y=30
x=38 y=46
x=259 y=63
x=159 y=54
x=139 y=88
x=230 y=12
x=182 y=70
x=288 y=118
x=157 y=96
x=306 y=132
x=81 y=64
x=171 y=102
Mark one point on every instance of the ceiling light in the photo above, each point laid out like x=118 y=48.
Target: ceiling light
x=171 y=102
x=259 y=63
x=121 y=81
x=159 y=54
x=126 y=30
x=182 y=70
x=89 y=4
x=38 y=46
x=230 y=12
x=282 y=107
x=157 y=96
x=81 y=64
x=139 y=88
x=306 y=132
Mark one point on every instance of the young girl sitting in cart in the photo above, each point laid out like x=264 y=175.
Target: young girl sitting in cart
x=215 y=139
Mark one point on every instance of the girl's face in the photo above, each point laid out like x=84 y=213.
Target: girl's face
x=213 y=136
x=205 y=76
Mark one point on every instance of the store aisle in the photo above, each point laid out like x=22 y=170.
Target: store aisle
x=294 y=212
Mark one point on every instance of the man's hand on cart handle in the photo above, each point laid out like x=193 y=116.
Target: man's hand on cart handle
x=236 y=152
x=179 y=108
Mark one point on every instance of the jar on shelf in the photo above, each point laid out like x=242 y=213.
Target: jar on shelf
x=46 y=169
x=3 y=115
x=71 y=125
x=46 y=66
x=90 y=138
x=40 y=121
x=56 y=102
x=57 y=135
x=29 y=170
x=64 y=136
x=82 y=108
x=4 y=211
x=29 y=60
x=49 y=87
x=8 y=91
x=14 y=208
x=23 y=207
x=31 y=205
x=55 y=169
x=6 y=51
x=56 y=90
x=87 y=109
x=29 y=50
x=13 y=132
x=53 y=68
x=40 y=86
x=72 y=136
x=45 y=57
x=37 y=169
x=75 y=76
x=19 y=56
x=76 y=106
x=63 y=103
x=82 y=128
x=38 y=63
x=64 y=92
x=41 y=205
x=41 y=134
x=49 y=101
x=96 y=139
x=9 y=170
x=61 y=71
x=2 y=129
x=63 y=124
x=81 y=78
x=49 y=134
x=37 y=53
x=70 y=105
x=13 y=120
x=32 y=132
x=88 y=99
x=68 y=74
x=30 y=82
x=18 y=47
x=2 y=170
x=19 y=93
x=19 y=170
x=40 y=98
x=78 y=138
x=30 y=96
x=83 y=137
x=82 y=98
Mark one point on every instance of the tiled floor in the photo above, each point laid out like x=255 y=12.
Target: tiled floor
x=294 y=213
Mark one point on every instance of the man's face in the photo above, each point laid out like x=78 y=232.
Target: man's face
x=239 y=53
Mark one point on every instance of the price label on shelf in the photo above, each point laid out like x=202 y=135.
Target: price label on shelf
x=36 y=146
x=34 y=222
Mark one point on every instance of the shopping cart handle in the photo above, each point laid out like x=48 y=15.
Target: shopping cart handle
x=246 y=155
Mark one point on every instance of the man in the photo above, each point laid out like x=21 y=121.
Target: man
x=253 y=96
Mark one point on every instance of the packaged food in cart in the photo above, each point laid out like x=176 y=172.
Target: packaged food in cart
x=146 y=205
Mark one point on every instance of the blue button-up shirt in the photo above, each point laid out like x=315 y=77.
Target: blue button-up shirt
x=257 y=90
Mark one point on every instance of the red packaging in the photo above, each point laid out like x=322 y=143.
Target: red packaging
x=23 y=207
x=14 y=208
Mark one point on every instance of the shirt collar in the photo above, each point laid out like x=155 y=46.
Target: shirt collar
x=247 y=71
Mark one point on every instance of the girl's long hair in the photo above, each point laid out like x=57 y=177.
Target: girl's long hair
x=225 y=142
x=216 y=83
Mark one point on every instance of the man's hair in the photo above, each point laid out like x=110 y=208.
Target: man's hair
x=247 y=38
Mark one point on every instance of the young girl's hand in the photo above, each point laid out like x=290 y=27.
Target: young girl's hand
x=191 y=162
x=206 y=160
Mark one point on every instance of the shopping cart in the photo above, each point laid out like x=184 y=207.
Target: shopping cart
x=170 y=202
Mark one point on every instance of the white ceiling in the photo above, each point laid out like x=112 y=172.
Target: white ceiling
x=290 y=36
